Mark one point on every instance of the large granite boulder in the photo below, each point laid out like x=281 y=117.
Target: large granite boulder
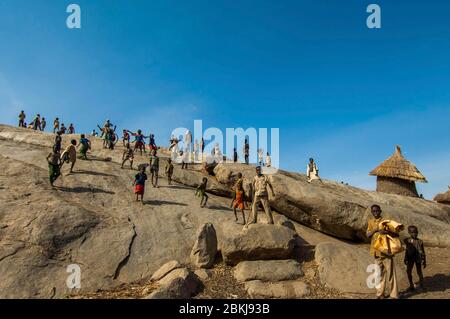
x=165 y=269
x=205 y=248
x=259 y=242
x=346 y=268
x=342 y=211
x=180 y=283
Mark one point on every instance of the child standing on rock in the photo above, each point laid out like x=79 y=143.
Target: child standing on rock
x=139 y=184
x=169 y=171
x=128 y=155
x=239 y=198
x=154 y=168
x=414 y=255
x=54 y=165
x=201 y=192
x=85 y=145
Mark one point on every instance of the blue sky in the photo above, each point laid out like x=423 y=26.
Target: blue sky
x=338 y=91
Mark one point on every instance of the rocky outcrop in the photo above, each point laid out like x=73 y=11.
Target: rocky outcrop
x=180 y=283
x=341 y=210
x=259 y=242
x=165 y=269
x=268 y=270
x=344 y=267
x=205 y=248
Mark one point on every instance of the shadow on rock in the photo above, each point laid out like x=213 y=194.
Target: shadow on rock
x=163 y=202
x=84 y=190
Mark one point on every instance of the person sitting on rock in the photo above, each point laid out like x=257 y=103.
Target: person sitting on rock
x=414 y=255
x=54 y=163
x=260 y=195
x=128 y=155
x=239 y=198
x=311 y=171
x=201 y=192
x=139 y=184
x=169 y=171
x=154 y=167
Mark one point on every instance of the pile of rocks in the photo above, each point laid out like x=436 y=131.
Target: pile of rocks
x=261 y=256
x=176 y=281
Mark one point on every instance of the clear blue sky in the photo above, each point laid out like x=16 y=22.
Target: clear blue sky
x=339 y=92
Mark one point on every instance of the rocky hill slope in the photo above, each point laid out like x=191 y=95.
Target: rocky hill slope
x=91 y=219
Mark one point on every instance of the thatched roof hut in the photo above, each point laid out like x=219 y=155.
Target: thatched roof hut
x=397 y=175
x=443 y=198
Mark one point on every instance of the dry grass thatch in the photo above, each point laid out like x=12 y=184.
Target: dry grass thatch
x=397 y=166
x=443 y=198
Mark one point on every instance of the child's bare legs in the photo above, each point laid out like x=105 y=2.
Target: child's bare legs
x=155 y=179
x=235 y=214
x=420 y=274
x=71 y=167
x=243 y=215
x=142 y=198
x=169 y=179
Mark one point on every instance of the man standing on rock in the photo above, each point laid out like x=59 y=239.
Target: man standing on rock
x=384 y=262
x=260 y=184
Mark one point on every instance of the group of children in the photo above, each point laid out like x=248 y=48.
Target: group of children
x=414 y=254
x=56 y=159
x=39 y=124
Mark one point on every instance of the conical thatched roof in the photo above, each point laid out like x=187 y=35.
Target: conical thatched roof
x=397 y=166
x=443 y=198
